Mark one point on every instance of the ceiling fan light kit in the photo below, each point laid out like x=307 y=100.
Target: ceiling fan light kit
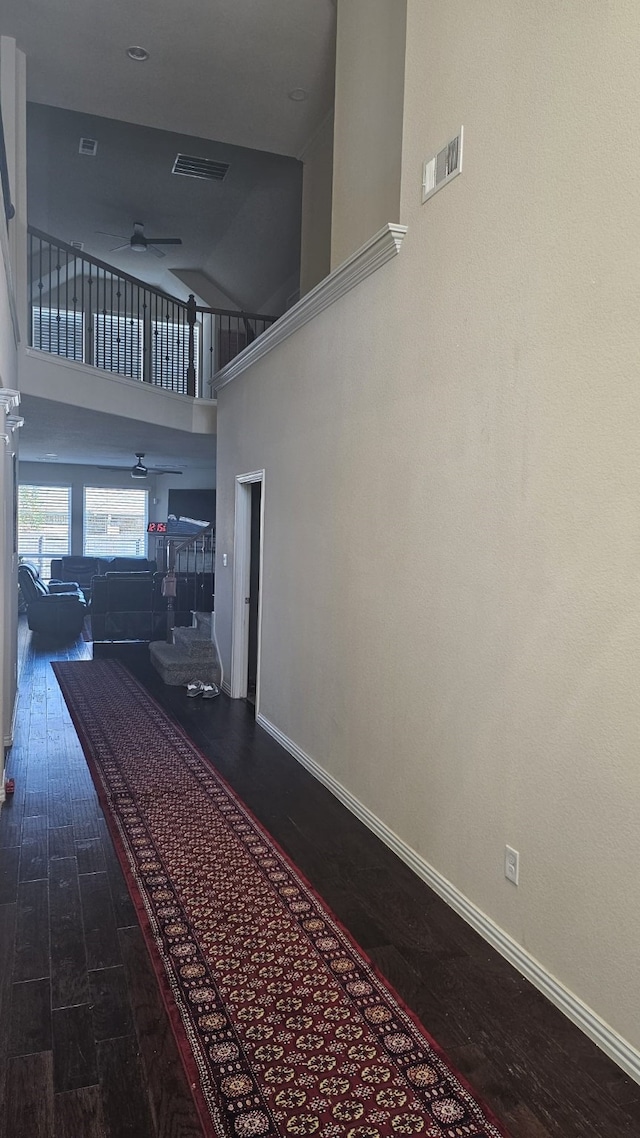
x=138 y=242
x=139 y=470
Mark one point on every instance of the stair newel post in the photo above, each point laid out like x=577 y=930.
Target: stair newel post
x=191 y=366
x=169 y=590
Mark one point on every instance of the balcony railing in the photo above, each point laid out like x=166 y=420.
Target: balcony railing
x=90 y=312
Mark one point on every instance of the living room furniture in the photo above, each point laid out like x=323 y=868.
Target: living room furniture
x=56 y=610
x=83 y=569
x=131 y=606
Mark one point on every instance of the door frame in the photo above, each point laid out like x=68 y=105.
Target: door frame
x=241 y=571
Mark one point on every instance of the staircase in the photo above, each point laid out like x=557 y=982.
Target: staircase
x=192 y=655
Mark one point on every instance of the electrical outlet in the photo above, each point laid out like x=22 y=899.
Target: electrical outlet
x=511 y=864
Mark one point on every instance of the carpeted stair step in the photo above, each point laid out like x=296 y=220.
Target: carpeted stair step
x=193 y=642
x=176 y=666
x=203 y=622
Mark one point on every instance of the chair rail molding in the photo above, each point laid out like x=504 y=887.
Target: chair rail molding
x=384 y=245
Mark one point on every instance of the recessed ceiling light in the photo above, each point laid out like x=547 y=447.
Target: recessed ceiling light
x=138 y=53
x=50 y=454
x=298 y=94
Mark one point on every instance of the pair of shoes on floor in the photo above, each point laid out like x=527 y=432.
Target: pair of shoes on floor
x=198 y=687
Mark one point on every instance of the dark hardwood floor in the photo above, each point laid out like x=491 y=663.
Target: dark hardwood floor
x=85 y=1046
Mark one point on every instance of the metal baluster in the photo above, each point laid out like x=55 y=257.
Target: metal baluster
x=118 y=333
x=58 y=251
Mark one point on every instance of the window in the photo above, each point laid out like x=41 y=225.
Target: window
x=43 y=524
x=54 y=330
x=118 y=344
x=115 y=522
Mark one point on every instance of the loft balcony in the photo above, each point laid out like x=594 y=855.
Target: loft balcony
x=90 y=324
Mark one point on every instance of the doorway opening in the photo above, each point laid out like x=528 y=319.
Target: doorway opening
x=247 y=599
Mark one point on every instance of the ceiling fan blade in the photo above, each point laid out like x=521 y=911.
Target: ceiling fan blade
x=117 y=248
x=156 y=252
x=163 y=240
x=107 y=233
x=163 y=470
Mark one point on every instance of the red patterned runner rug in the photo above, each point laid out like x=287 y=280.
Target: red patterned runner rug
x=283 y=1025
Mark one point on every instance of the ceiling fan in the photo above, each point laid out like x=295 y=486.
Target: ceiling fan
x=139 y=243
x=139 y=470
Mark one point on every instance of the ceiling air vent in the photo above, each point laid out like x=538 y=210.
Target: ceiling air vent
x=88 y=146
x=444 y=166
x=200 y=168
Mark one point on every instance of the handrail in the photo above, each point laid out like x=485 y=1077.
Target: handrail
x=191 y=538
x=92 y=312
x=169 y=581
x=9 y=208
x=80 y=255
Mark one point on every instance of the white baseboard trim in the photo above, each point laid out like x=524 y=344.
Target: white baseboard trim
x=613 y=1044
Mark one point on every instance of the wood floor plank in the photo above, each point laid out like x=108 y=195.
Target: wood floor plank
x=74 y=1049
x=10 y=861
x=69 y=978
x=34 y=849
x=100 y=930
x=110 y=1002
x=125 y=1105
x=30 y=1018
x=62 y=842
x=79 y=1114
x=28 y=1107
x=32 y=933
x=90 y=855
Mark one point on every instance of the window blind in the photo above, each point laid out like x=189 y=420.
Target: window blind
x=171 y=354
x=59 y=331
x=119 y=344
x=43 y=524
x=115 y=522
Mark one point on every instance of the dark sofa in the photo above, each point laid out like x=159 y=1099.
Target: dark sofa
x=130 y=606
x=57 y=609
x=83 y=569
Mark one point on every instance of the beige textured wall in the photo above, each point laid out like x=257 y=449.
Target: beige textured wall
x=452 y=558
x=367 y=148
x=317 y=176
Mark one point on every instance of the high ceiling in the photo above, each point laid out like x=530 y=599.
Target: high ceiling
x=241 y=234
x=217 y=69
x=220 y=72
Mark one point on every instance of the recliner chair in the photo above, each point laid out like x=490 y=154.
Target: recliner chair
x=56 y=610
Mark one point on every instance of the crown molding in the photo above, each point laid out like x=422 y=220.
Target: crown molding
x=384 y=245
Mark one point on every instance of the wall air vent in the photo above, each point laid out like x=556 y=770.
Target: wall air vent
x=444 y=166
x=88 y=146
x=204 y=168
x=77 y=245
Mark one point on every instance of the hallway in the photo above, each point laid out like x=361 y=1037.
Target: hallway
x=85 y=1046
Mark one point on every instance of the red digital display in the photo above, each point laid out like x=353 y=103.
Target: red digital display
x=157 y=527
